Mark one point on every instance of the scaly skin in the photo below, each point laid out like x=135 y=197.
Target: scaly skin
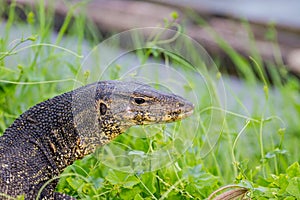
x=48 y=137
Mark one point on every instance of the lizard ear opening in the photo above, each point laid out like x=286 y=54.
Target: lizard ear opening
x=103 y=108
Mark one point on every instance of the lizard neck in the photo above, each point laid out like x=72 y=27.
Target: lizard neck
x=50 y=127
x=66 y=127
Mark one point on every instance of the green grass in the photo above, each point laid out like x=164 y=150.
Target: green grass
x=247 y=140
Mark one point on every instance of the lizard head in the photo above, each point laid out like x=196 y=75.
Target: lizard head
x=104 y=110
x=132 y=103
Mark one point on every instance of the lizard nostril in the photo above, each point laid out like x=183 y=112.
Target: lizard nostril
x=180 y=104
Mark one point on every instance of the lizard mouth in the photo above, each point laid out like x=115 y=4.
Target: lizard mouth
x=187 y=111
x=186 y=114
x=181 y=113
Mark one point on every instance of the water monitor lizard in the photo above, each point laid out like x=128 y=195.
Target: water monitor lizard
x=51 y=135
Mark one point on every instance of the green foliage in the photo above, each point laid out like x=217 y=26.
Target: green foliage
x=101 y=181
x=283 y=186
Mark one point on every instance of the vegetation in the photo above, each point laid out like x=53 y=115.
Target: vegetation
x=244 y=141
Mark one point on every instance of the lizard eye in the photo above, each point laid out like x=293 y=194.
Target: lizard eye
x=139 y=100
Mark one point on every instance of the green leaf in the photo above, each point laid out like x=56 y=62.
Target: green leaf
x=121 y=178
x=293 y=170
x=294 y=187
x=290 y=198
x=97 y=181
x=282 y=182
x=138 y=197
x=130 y=193
x=130 y=182
x=199 y=181
x=149 y=180
x=87 y=188
x=75 y=183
